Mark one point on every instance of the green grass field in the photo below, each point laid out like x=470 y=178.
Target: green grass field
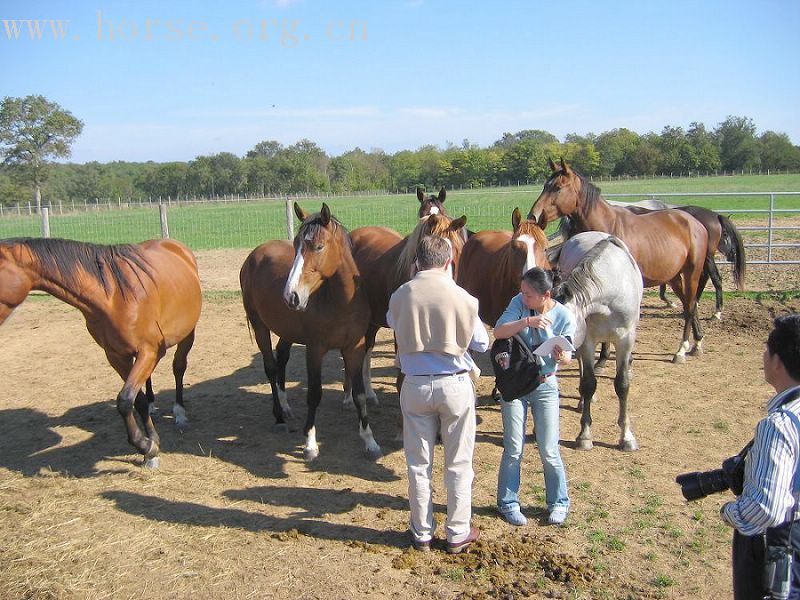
x=245 y=225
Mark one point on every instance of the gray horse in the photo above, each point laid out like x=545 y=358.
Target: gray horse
x=602 y=286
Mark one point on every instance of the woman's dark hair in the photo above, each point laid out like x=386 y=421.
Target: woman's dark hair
x=538 y=279
x=784 y=341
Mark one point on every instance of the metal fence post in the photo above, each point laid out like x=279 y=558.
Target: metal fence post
x=45 y=222
x=162 y=209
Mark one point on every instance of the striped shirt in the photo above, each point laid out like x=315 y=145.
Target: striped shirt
x=767 y=499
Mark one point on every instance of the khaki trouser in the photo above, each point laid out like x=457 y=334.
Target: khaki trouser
x=439 y=404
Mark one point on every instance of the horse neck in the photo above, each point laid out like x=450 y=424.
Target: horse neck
x=597 y=215
x=344 y=282
x=86 y=298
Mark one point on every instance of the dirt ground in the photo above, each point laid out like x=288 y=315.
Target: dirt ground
x=235 y=512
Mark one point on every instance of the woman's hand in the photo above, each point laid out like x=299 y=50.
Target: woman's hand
x=536 y=322
x=563 y=357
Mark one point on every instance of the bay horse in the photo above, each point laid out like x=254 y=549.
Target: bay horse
x=310 y=292
x=386 y=261
x=602 y=286
x=493 y=261
x=670 y=246
x=723 y=237
x=137 y=299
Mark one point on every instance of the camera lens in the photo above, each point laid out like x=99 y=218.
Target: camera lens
x=702 y=483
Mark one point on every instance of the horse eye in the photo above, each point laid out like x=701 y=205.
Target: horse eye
x=319 y=247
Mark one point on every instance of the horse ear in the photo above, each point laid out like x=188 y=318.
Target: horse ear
x=301 y=214
x=564 y=165
x=551 y=164
x=420 y=195
x=458 y=223
x=442 y=194
x=325 y=213
x=516 y=218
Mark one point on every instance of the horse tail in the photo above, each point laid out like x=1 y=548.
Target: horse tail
x=732 y=246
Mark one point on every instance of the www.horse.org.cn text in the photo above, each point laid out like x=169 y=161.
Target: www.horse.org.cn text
x=283 y=32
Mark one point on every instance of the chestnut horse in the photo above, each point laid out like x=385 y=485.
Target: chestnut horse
x=430 y=204
x=138 y=300
x=311 y=293
x=670 y=246
x=493 y=261
x=386 y=261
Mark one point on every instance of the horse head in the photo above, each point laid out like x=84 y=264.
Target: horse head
x=15 y=282
x=434 y=224
x=320 y=247
x=528 y=242
x=430 y=204
x=559 y=196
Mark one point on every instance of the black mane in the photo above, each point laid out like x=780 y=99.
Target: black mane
x=63 y=259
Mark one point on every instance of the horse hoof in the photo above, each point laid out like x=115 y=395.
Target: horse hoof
x=678 y=359
x=182 y=426
x=310 y=454
x=696 y=351
x=718 y=316
x=153 y=462
x=629 y=445
x=280 y=428
x=583 y=444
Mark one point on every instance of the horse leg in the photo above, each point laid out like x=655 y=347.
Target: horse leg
x=283 y=351
x=354 y=372
x=622 y=382
x=697 y=331
x=587 y=388
x=366 y=370
x=712 y=271
x=603 y=358
x=179 y=363
x=280 y=407
x=151 y=397
x=677 y=286
x=662 y=293
x=135 y=376
x=314 y=372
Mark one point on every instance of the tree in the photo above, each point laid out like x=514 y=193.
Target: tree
x=32 y=130
x=704 y=149
x=777 y=152
x=738 y=147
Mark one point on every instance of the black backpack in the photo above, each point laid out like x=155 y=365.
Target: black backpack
x=516 y=369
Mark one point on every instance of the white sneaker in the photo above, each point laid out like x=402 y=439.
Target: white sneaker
x=558 y=515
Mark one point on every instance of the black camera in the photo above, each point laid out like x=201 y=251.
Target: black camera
x=700 y=484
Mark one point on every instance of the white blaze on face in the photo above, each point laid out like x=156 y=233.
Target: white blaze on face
x=433 y=210
x=294 y=277
x=530 y=244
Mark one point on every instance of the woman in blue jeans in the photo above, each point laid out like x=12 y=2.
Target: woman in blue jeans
x=535 y=316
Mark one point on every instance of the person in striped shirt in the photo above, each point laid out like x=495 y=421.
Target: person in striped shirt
x=766 y=508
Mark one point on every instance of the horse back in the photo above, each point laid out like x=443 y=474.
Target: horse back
x=174 y=302
x=376 y=251
x=664 y=243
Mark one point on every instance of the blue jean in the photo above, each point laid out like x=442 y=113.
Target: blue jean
x=544 y=403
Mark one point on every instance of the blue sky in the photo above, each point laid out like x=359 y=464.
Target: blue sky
x=170 y=81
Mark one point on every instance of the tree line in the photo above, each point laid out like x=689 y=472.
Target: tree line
x=271 y=168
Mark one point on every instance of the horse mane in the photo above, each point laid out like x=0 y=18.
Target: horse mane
x=313 y=224
x=428 y=225
x=582 y=284
x=65 y=259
